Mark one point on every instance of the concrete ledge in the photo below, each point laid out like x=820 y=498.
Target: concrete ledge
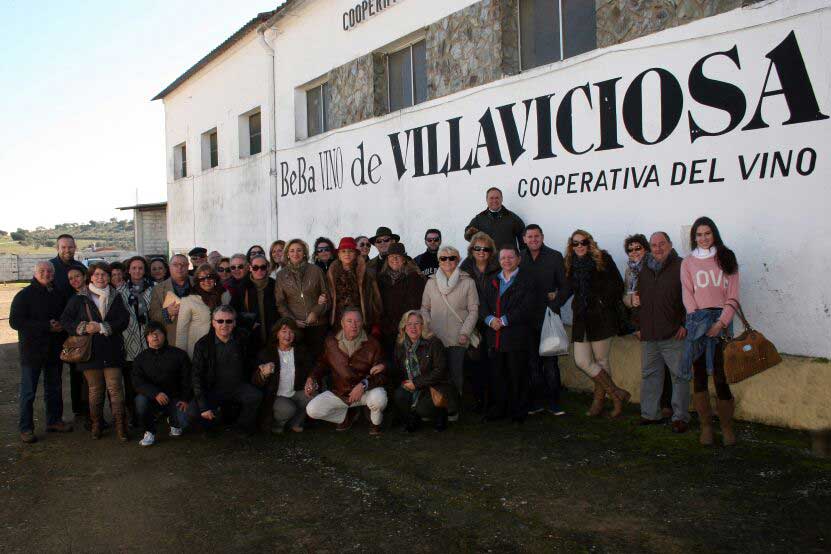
x=795 y=394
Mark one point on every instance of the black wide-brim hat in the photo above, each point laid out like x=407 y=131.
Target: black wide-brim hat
x=383 y=232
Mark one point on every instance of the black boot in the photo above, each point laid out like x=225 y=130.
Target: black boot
x=441 y=420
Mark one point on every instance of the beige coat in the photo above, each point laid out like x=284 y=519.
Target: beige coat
x=156 y=311
x=193 y=323
x=464 y=299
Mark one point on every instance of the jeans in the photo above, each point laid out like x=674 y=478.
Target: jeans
x=290 y=409
x=79 y=393
x=593 y=357
x=329 y=407
x=246 y=396
x=456 y=367
x=509 y=384
x=545 y=376
x=654 y=354
x=147 y=409
x=52 y=396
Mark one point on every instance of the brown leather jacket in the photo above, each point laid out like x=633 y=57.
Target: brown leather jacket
x=348 y=371
x=296 y=293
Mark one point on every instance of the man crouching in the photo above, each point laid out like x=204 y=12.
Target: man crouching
x=355 y=362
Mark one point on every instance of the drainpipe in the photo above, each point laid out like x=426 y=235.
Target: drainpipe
x=272 y=135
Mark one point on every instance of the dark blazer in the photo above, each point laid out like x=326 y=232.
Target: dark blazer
x=61 y=281
x=505 y=227
x=303 y=364
x=600 y=320
x=548 y=272
x=107 y=350
x=248 y=309
x=516 y=304
x=662 y=309
x=204 y=363
x=31 y=311
x=164 y=370
x=397 y=299
x=432 y=364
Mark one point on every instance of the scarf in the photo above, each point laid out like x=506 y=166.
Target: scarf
x=445 y=283
x=395 y=276
x=583 y=269
x=212 y=298
x=704 y=254
x=349 y=347
x=635 y=272
x=411 y=364
x=134 y=292
x=101 y=298
x=653 y=264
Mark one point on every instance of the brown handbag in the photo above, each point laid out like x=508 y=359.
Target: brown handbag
x=439 y=400
x=749 y=353
x=78 y=348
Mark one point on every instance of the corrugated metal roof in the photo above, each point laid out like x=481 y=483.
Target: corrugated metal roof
x=143 y=207
x=213 y=54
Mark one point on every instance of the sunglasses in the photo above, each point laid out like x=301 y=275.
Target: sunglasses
x=482 y=249
x=236 y=267
x=259 y=267
x=224 y=321
x=635 y=249
x=224 y=269
x=383 y=241
x=432 y=239
x=448 y=258
x=323 y=249
x=584 y=242
x=206 y=278
x=363 y=245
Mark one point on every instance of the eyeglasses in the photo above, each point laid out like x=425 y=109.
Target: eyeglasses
x=224 y=269
x=584 y=242
x=448 y=258
x=636 y=248
x=432 y=239
x=236 y=267
x=482 y=249
x=259 y=267
x=224 y=321
x=323 y=249
x=363 y=245
x=206 y=278
x=383 y=241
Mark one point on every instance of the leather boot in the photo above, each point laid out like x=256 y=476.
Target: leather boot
x=96 y=414
x=701 y=401
x=618 y=395
x=597 y=403
x=120 y=418
x=725 y=410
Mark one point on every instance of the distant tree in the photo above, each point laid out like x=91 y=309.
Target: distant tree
x=3 y=233
x=18 y=236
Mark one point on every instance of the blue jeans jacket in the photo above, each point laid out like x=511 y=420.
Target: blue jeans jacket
x=697 y=341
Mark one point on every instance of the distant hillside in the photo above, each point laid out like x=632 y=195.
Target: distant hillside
x=100 y=234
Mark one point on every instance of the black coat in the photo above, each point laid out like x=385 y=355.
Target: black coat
x=515 y=304
x=505 y=227
x=483 y=278
x=427 y=262
x=164 y=370
x=399 y=298
x=432 y=365
x=548 y=272
x=204 y=363
x=31 y=311
x=600 y=319
x=248 y=309
x=61 y=281
x=107 y=350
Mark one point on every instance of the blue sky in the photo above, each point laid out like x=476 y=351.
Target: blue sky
x=78 y=133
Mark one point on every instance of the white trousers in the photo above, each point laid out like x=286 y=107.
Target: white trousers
x=328 y=407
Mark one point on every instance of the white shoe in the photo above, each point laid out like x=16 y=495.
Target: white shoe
x=175 y=431
x=149 y=439
x=453 y=417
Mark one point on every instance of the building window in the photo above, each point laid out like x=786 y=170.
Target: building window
x=254 y=134
x=407 y=71
x=316 y=110
x=210 y=149
x=180 y=161
x=553 y=30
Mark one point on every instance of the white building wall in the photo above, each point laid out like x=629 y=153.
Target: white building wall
x=229 y=207
x=778 y=225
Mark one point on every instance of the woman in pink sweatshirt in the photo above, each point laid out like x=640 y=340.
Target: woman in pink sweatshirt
x=710 y=281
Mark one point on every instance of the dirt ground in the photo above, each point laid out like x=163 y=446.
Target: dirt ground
x=566 y=484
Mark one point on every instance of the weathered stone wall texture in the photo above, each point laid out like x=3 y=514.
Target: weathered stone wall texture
x=351 y=92
x=622 y=20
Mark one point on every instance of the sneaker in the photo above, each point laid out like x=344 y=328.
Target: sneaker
x=28 y=437
x=149 y=439
x=175 y=431
x=453 y=417
x=535 y=411
x=557 y=411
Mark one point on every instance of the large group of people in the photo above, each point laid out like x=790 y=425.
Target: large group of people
x=272 y=339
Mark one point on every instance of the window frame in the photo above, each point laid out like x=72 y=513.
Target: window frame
x=562 y=44
x=180 y=151
x=259 y=134
x=322 y=87
x=409 y=47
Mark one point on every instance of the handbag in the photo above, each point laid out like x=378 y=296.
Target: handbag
x=474 y=338
x=78 y=349
x=749 y=353
x=439 y=400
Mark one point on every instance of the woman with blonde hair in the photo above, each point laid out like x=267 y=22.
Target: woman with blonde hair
x=597 y=287
x=419 y=364
x=276 y=257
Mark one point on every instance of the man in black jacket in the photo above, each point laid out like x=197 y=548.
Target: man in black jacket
x=505 y=308
x=546 y=268
x=63 y=262
x=35 y=314
x=500 y=223
x=428 y=261
x=161 y=378
x=222 y=367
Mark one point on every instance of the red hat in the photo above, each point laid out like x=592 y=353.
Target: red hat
x=348 y=243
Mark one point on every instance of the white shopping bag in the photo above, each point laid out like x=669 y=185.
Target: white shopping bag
x=553 y=338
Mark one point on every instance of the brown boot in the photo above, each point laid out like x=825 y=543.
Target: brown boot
x=96 y=414
x=725 y=410
x=618 y=395
x=120 y=418
x=701 y=401
x=597 y=403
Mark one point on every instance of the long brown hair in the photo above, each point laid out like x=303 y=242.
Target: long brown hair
x=594 y=251
x=213 y=298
